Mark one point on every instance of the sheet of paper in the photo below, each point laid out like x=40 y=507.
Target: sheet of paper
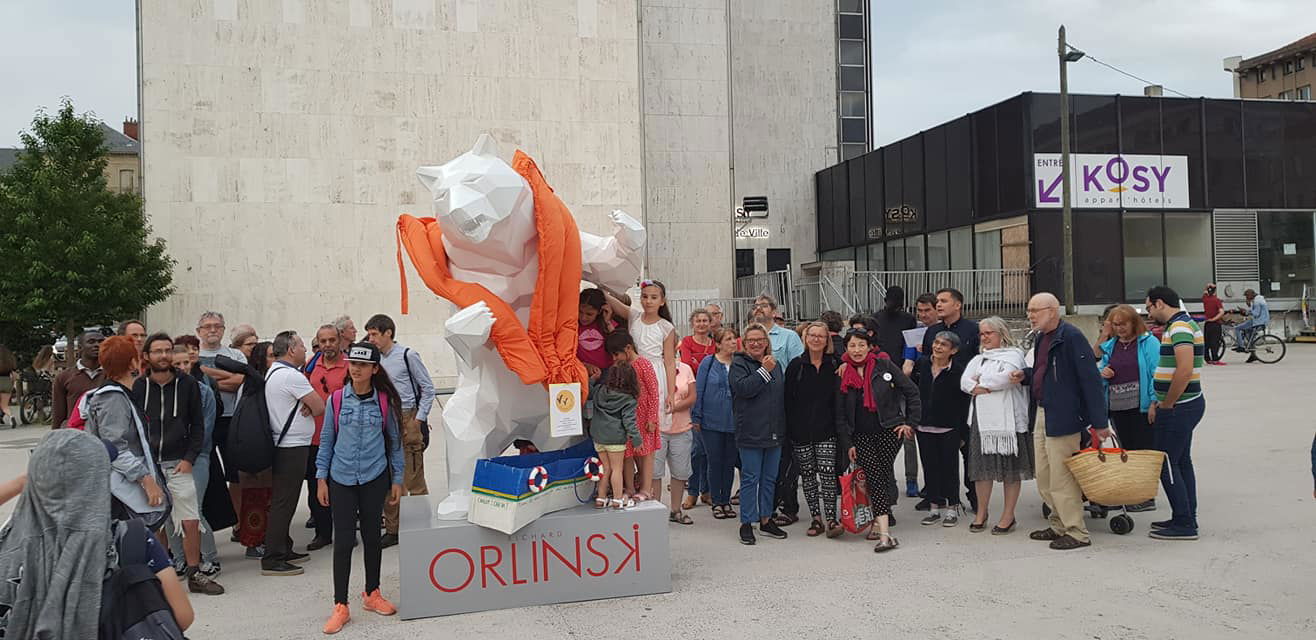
x=914 y=337
x=564 y=410
x=1290 y=248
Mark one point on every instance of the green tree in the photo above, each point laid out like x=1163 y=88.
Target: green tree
x=74 y=252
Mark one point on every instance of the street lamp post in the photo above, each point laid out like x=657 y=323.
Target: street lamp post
x=1066 y=56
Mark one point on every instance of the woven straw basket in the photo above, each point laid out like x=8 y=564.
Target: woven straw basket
x=1116 y=476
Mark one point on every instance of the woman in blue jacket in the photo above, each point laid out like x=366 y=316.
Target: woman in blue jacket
x=359 y=466
x=713 y=417
x=758 y=394
x=1128 y=361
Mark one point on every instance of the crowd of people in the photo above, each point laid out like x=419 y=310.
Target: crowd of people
x=153 y=421
x=788 y=408
x=349 y=421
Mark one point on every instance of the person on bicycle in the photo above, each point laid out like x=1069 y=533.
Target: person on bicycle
x=1259 y=317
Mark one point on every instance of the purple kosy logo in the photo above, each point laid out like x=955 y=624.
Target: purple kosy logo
x=1111 y=181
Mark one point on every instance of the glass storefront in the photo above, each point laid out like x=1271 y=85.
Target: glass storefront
x=1285 y=252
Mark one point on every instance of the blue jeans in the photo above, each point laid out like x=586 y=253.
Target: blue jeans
x=758 y=482
x=698 y=482
x=1174 y=435
x=1244 y=331
x=720 y=448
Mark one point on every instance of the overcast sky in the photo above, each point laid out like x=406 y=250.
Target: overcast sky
x=933 y=60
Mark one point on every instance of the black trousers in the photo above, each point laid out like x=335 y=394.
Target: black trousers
x=350 y=504
x=289 y=470
x=940 y=455
x=1214 y=334
x=324 y=523
x=876 y=453
x=788 y=483
x=1132 y=429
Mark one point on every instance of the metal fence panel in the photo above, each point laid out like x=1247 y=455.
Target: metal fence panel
x=987 y=292
x=735 y=311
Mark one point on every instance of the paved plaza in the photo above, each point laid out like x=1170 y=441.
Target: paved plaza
x=1250 y=575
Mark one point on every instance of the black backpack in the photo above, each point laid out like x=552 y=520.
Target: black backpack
x=250 y=447
x=133 y=604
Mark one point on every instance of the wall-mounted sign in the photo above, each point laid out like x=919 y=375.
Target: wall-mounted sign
x=1113 y=181
x=875 y=233
x=753 y=233
x=903 y=213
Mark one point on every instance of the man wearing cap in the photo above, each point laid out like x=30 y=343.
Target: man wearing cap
x=1259 y=317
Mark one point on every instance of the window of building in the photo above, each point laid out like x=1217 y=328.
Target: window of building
x=1299 y=63
x=852 y=26
x=852 y=78
x=915 y=257
x=854 y=130
x=1144 y=254
x=987 y=247
x=895 y=255
x=744 y=262
x=1188 y=256
x=850 y=151
x=126 y=180
x=779 y=259
x=876 y=257
x=1304 y=93
x=1285 y=95
x=961 y=248
x=852 y=52
x=1285 y=252
x=1288 y=68
x=852 y=6
x=1261 y=75
x=854 y=103
x=1273 y=73
x=938 y=251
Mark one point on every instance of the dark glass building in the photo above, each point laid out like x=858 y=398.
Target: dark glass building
x=1166 y=190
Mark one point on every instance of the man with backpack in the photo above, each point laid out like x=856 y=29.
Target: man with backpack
x=292 y=406
x=175 y=432
x=416 y=390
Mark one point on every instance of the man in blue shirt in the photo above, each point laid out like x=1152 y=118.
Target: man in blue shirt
x=1259 y=312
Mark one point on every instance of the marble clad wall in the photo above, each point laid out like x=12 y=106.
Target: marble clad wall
x=281 y=137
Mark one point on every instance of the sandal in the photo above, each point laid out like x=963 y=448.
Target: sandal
x=888 y=543
x=873 y=533
x=640 y=496
x=679 y=517
x=706 y=498
x=728 y=513
x=621 y=504
x=600 y=503
x=735 y=499
x=815 y=529
x=834 y=529
x=785 y=519
x=977 y=527
x=1000 y=531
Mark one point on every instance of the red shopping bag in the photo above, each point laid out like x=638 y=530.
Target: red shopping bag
x=856 y=512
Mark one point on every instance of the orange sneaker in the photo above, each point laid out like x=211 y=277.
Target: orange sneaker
x=373 y=601
x=337 y=619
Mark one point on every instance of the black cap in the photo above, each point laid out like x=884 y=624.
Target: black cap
x=363 y=352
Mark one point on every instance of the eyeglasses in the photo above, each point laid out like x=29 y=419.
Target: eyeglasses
x=762 y=305
x=250 y=343
x=211 y=326
x=1039 y=309
x=756 y=341
x=159 y=352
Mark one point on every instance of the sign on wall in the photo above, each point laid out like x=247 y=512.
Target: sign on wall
x=1113 y=181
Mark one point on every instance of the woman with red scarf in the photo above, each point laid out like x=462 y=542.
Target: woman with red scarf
x=870 y=423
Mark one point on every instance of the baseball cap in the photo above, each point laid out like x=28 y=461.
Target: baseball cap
x=363 y=352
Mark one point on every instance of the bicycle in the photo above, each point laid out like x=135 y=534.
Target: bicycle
x=37 y=405
x=1266 y=347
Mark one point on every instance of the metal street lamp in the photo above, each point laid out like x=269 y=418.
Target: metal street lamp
x=1066 y=54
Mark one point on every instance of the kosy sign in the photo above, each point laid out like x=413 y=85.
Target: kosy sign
x=1113 y=181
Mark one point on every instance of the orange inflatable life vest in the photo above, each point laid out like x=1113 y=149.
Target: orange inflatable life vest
x=544 y=352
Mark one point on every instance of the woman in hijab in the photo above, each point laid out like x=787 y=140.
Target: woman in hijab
x=57 y=547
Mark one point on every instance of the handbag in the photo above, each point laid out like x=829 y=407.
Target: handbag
x=1114 y=476
x=856 y=510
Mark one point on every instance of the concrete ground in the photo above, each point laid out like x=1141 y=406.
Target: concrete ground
x=1249 y=575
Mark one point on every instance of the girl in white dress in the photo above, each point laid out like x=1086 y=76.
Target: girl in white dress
x=650 y=325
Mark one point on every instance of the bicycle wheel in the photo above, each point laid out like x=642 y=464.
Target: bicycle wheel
x=1228 y=338
x=1269 y=348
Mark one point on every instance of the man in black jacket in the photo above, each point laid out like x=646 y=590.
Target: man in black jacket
x=175 y=434
x=1066 y=398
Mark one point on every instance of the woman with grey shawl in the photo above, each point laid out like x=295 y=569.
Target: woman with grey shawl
x=57 y=547
x=1000 y=449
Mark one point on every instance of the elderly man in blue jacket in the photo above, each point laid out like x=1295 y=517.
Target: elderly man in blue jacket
x=1067 y=398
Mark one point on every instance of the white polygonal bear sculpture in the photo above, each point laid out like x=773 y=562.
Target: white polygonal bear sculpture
x=486 y=213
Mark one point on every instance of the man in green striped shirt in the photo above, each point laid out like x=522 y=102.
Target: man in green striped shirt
x=1178 y=408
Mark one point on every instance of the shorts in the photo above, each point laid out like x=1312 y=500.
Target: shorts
x=182 y=492
x=675 y=453
x=610 y=448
